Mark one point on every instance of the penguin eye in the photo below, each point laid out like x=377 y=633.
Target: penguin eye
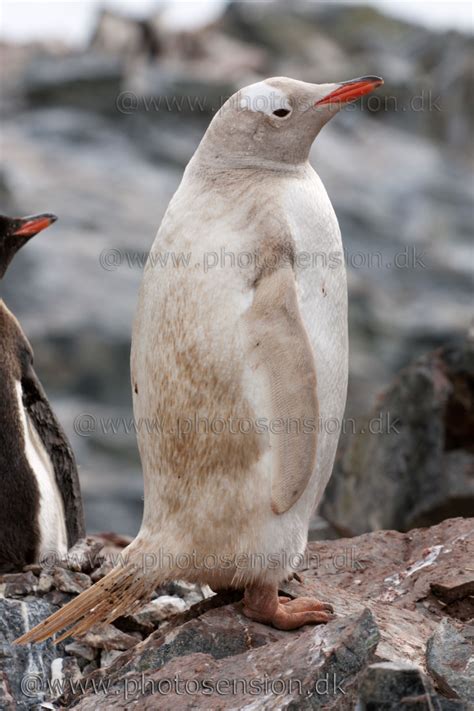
x=281 y=112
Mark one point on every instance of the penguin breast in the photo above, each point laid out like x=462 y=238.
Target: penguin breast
x=51 y=517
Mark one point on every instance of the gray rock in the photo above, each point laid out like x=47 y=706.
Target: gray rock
x=80 y=81
x=107 y=657
x=45 y=582
x=70 y=582
x=81 y=650
x=151 y=614
x=102 y=571
x=90 y=668
x=390 y=686
x=7 y=702
x=307 y=670
x=35 y=568
x=122 y=36
x=64 y=670
x=416 y=468
x=450 y=660
x=18 y=584
x=25 y=670
x=109 y=637
x=393 y=575
x=184 y=590
x=159 y=609
x=215 y=633
x=84 y=555
x=56 y=597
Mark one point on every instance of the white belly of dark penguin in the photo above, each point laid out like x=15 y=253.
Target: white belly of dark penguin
x=51 y=520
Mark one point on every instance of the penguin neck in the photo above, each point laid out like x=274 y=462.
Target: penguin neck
x=9 y=246
x=211 y=162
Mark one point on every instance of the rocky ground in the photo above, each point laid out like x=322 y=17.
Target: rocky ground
x=402 y=637
x=397 y=171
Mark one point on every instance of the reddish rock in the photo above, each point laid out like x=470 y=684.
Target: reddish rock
x=310 y=669
x=387 y=586
x=391 y=573
x=455 y=587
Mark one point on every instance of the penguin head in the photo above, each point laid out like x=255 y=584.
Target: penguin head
x=16 y=231
x=278 y=119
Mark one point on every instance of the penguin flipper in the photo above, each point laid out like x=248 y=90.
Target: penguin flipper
x=282 y=350
x=57 y=445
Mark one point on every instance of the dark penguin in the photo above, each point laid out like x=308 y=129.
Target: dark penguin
x=40 y=501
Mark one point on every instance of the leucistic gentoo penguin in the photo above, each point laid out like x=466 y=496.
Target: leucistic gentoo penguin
x=241 y=365
x=40 y=503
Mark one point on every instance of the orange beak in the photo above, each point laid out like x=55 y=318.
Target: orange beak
x=29 y=226
x=351 y=90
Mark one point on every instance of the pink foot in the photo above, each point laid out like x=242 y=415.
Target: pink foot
x=262 y=604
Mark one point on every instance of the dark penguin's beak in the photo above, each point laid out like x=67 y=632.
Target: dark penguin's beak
x=351 y=90
x=30 y=226
x=16 y=231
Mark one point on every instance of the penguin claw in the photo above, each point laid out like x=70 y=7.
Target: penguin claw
x=305 y=604
x=290 y=620
x=263 y=604
x=287 y=617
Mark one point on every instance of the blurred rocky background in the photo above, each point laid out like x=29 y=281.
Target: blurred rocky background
x=100 y=136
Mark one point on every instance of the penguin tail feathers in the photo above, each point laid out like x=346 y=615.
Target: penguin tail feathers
x=120 y=592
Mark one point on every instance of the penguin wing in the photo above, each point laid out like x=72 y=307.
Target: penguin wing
x=56 y=444
x=283 y=352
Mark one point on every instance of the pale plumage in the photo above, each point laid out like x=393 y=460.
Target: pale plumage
x=194 y=348
x=260 y=338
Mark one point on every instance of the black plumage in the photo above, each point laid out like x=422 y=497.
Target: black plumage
x=19 y=493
